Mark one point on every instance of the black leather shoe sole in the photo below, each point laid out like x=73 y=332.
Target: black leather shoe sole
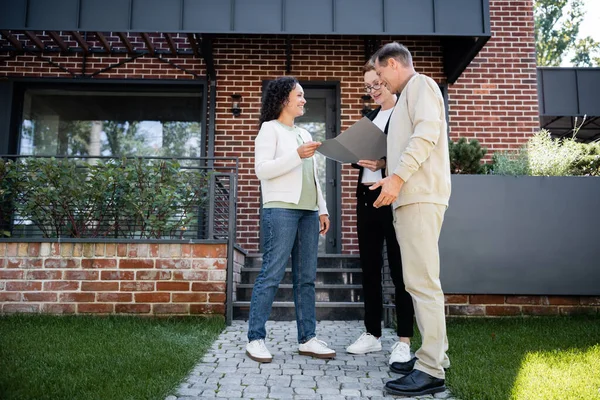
x=403 y=368
x=416 y=393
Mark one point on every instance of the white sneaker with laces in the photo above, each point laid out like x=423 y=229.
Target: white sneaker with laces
x=366 y=343
x=400 y=353
x=257 y=350
x=316 y=348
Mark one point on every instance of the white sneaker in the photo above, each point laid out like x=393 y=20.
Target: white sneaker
x=316 y=348
x=257 y=350
x=366 y=343
x=400 y=353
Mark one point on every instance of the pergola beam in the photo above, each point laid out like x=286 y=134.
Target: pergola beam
x=171 y=43
x=193 y=43
x=58 y=40
x=13 y=40
x=84 y=45
x=104 y=41
x=125 y=41
x=35 y=39
x=148 y=42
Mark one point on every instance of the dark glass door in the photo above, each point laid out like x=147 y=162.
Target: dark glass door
x=320 y=119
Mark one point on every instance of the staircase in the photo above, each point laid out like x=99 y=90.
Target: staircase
x=338 y=289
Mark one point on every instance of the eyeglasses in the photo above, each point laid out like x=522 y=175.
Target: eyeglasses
x=376 y=86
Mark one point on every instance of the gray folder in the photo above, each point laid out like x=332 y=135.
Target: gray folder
x=362 y=141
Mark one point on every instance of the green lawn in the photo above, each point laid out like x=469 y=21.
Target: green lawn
x=50 y=357
x=545 y=358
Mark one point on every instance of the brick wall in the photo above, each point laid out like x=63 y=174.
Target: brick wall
x=511 y=305
x=495 y=100
x=111 y=278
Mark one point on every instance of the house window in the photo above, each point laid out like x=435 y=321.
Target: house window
x=110 y=121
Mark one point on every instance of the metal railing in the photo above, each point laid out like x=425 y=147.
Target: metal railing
x=110 y=198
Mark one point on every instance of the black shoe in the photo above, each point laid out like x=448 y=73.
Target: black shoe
x=403 y=368
x=416 y=383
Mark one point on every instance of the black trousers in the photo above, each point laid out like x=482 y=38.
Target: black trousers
x=375 y=225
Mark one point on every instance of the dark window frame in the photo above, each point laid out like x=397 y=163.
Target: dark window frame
x=20 y=86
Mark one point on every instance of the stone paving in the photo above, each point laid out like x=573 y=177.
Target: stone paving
x=225 y=372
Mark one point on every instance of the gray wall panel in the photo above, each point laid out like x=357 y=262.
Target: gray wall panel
x=524 y=235
x=560 y=92
x=258 y=16
x=209 y=16
x=355 y=16
x=588 y=82
x=5 y=111
x=105 y=15
x=13 y=13
x=145 y=17
x=53 y=15
x=300 y=16
x=409 y=16
x=459 y=17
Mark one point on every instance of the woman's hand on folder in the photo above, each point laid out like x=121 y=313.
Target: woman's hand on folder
x=373 y=165
x=308 y=149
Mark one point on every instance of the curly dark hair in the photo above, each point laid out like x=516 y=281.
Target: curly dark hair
x=275 y=97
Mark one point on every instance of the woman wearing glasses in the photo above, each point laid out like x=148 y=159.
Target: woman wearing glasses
x=373 y=226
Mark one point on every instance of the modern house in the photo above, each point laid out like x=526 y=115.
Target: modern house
x=183 y=78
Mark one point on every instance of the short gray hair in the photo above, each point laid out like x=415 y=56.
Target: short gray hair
x=393 y=50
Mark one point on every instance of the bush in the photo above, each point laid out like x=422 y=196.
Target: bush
x=465 y=157
x=510 y=163
x=128 y=198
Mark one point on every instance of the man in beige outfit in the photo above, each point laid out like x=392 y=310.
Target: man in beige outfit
x=418 y=185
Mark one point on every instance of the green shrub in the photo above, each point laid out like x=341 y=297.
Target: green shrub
x=465 y=157
x=510 y=163
x=550 y=157
x=128 y=198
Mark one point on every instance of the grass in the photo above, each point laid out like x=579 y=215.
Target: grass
x=525 y=358
x=49 y=357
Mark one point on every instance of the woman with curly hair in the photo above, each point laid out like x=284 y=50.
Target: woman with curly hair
x=294 y=214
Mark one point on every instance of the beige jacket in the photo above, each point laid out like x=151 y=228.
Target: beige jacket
x=417 y=144
x=279 y=167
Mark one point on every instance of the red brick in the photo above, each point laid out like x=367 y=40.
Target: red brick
x=502 y=310
x=11 y=274
x=173 y=286
x=44 y=275
x=154 y=250
x=540 y=310
x=16 y=286
x=61 y=285
x=209 y=250
x=77 y=297
x=137 y=286
x=209 y=263
x=190 y=275
x=2 y=249
x=132 y=308
x=122 y=250
x=34 y=249
x=117 y=275
x=99 y=286
x=207 y=308
x=190 y=297
x=456 y=299
x=114 y=297
x=24 y=263
x=563 y=300
x=110 y=250
x=61 y=263
x=486 y=299
x=466 y=310
x=82 y=275
x=171 y=308
x=152 y=297
x=10 y=308
x=11 y=249
x=10 y=296
x=523 y=300
x=40 y=296
x=186 y=250
x=139 y=264
x=217 y=297
x=22 y=250
x=95 y=308
x=99 y=263
x=208 y=287
x=51 y=308
x=99 y=249
x=173 y=264
x=153 y=275
x=589 y=301
x=577 y=310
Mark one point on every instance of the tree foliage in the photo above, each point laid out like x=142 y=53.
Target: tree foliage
x=556 y=30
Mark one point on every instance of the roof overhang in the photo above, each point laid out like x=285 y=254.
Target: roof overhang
x=463 y=26
x=568 y=99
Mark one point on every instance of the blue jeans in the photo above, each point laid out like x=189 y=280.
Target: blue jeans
x=286 y=232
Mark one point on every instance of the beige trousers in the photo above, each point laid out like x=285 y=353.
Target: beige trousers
x=418 y=229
